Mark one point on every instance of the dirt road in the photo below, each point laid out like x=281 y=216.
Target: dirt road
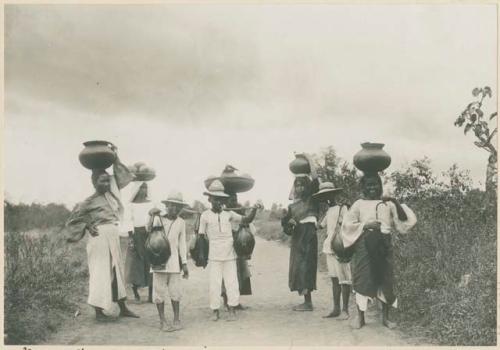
x=268 y=321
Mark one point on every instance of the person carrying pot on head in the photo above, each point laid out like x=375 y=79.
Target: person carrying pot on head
x=368 y=226
x=136 y=264
x=167 y=280
x=338 y=268
x=216 y=224
x=99 y=215
x=300 y=222
x=243 y=271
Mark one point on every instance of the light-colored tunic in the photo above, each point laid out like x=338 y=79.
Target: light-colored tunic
x=332 y=222
x=104 y=212
x=218 y=228
x=175 y=231
x=363 y=211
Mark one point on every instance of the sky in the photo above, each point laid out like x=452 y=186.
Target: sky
x=190 y=88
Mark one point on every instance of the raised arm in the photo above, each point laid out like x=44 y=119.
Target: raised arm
x=123 y=176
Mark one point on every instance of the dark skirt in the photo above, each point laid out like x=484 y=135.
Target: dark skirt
x=303 y=258
x=372 y=265
x=243 y=277
x=136 y=264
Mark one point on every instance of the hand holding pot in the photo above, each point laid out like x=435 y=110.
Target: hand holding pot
x=373 y=225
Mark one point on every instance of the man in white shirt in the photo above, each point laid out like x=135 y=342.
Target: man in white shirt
x=217 y=225
x=167 y=281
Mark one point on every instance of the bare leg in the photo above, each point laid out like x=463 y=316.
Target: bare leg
x=360 y=320
x=150 y=291
x=346 y=291
x=385 y=317
x=215 y=316
x=137 y=297
x=176 y=305
x=124 y=310
x=101 y=317
x=307 y=305
x=336 y=298
x=164 y=325
x=232 y=314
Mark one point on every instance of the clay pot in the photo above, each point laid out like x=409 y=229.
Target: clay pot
x=300 y=165
x=372 y=158
x=337 y=245
x=244 y=243
x=97 y=155
x=157 y=248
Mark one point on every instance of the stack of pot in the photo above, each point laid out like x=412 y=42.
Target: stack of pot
x=142 y=172
x=232 y=180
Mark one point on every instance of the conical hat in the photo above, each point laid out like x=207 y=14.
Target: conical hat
x=216 y=189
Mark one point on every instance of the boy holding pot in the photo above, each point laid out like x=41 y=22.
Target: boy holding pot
x=167 y=281
x=216 y=224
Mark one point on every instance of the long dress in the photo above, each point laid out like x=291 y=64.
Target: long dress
x=136 y=264
x=372 y=262
x=104 y=212
x=304 y=245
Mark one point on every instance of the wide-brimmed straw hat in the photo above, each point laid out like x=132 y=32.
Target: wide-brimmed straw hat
x=175 y=197
x=216 y=189
x=326 y=189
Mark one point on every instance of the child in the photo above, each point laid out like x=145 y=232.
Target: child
x=338 y=270
x=167 y=281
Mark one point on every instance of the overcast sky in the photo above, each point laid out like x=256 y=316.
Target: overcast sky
x=191 y=88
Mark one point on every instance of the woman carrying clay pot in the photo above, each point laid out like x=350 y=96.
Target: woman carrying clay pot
x=136 y=264
x=369 y=225
x=300 y=222
x=99 y=215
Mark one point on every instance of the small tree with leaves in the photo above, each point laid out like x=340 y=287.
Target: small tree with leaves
x=473 y=118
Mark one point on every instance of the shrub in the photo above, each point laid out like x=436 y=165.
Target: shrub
x=43 y=281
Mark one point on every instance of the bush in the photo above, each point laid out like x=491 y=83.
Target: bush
x=446 y=267
x=43 y=283
x=24 y=217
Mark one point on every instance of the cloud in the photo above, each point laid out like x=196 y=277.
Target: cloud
x=191 y=88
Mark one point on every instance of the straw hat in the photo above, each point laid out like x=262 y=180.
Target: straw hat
x=175 y=197
x=216 y=189
x=326 y=189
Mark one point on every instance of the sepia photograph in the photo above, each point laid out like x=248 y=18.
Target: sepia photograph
x=250 y=174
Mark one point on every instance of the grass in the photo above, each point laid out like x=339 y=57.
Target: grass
x=44 y=281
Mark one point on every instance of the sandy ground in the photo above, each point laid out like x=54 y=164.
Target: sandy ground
x=268 y=321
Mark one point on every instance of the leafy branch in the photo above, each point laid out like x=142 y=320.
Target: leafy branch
x=473 y=118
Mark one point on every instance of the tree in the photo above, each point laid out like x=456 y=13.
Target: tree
x=473 y=118
x=331 y=168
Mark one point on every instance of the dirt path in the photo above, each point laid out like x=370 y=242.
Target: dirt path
x=269 y=321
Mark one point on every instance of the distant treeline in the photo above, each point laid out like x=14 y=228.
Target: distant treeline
x=26 y=217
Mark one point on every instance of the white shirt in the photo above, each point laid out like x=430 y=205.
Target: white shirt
x=218 y=228
x=331 y=224
x=175 y=230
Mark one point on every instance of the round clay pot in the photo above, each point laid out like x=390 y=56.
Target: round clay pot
x=97 y=155
x=372 y=158
x=300 y=165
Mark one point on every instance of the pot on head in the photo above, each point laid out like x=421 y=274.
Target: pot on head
x=97 y=155
x=300 y=165
x=372 y=158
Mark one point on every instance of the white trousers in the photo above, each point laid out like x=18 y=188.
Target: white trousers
x=223 y=270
